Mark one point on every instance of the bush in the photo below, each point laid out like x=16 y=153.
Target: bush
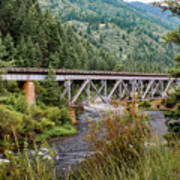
x=12 y=86
x=10 y=122
x=59 y=116
x=36 y=112
x=65 y=130
x=65 y=115
x=18 y=102
x=145 y=104
x=170 y=103
x=54 y=114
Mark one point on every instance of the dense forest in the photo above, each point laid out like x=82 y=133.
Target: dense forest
x=92 y=35
x=30 y=37
x=129 y=32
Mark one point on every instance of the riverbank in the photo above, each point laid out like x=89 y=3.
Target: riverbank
x=71 y=151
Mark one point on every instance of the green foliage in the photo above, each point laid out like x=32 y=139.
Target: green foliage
x=58 y=116
x=133 y=34
x=26 y=165
x=145 y=104
x=174 y=100
x=31 y=121
x=121 y=137
x=17 y=101
x=34 y=38
x=10 y=121
x=65 y=130
x=159 y=162
x=124 y=151
x=50 y=94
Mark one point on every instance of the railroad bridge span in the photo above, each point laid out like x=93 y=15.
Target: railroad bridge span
x=93 y=84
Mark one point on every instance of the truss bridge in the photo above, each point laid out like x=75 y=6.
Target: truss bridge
x=87 y=86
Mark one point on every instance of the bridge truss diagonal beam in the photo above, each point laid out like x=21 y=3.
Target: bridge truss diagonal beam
x=148 y=88
x=167 y=87
x=103 y=87
x=80 y=91
x=97 y=92
x=113 y=90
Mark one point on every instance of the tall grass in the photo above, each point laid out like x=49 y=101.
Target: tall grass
x=27 y=164
x=120 y=143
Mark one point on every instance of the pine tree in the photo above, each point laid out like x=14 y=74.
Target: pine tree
x=8 y=42
x=3 y=53
x=51 y=92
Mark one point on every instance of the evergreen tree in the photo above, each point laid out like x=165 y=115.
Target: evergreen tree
x=8 y=42
x=51 y=93
x=34 y=38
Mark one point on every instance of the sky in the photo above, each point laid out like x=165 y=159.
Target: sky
x=144 y=1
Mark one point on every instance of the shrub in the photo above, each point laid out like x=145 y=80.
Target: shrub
x=145 y=104
x=36 y=112
x=18 y=102
x=170 y=103
x=33 y=127
x=59 y=116
x=12 y=86
x=54 y=114
x=65 y=130
x=65 y=115
x=10 y=121
x=120 y=143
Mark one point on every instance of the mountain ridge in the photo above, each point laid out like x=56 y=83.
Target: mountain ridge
x=134 y=37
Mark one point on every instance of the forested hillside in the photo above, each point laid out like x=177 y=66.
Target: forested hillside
x=30 y=37
x=166 y=17
x=82 y=34
x=130 y=33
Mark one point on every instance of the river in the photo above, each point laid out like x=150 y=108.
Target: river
x=72 y=150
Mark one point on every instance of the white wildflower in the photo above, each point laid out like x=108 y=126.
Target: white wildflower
x=40 y=153
x=47 y=157
x=44 y=149
x=130 y=145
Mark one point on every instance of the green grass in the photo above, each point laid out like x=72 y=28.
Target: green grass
x=65 y=130
x=159 y=163
x=21 y=166
x=125 y=150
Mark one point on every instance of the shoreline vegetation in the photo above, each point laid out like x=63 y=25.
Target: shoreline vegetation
x=125 y=149
x=123 y=144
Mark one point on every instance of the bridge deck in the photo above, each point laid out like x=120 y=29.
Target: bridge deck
x=80 y=72
x=34 y=74
x=104 y=84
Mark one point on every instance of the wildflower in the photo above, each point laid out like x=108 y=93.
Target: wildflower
x=40 y=153
x=44 y=150
x=47 y=157
x=130 y=145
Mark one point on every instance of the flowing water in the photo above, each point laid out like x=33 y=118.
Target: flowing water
x=73 y=150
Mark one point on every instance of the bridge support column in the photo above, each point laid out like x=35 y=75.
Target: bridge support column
x=30 y=92
x=73 y=114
